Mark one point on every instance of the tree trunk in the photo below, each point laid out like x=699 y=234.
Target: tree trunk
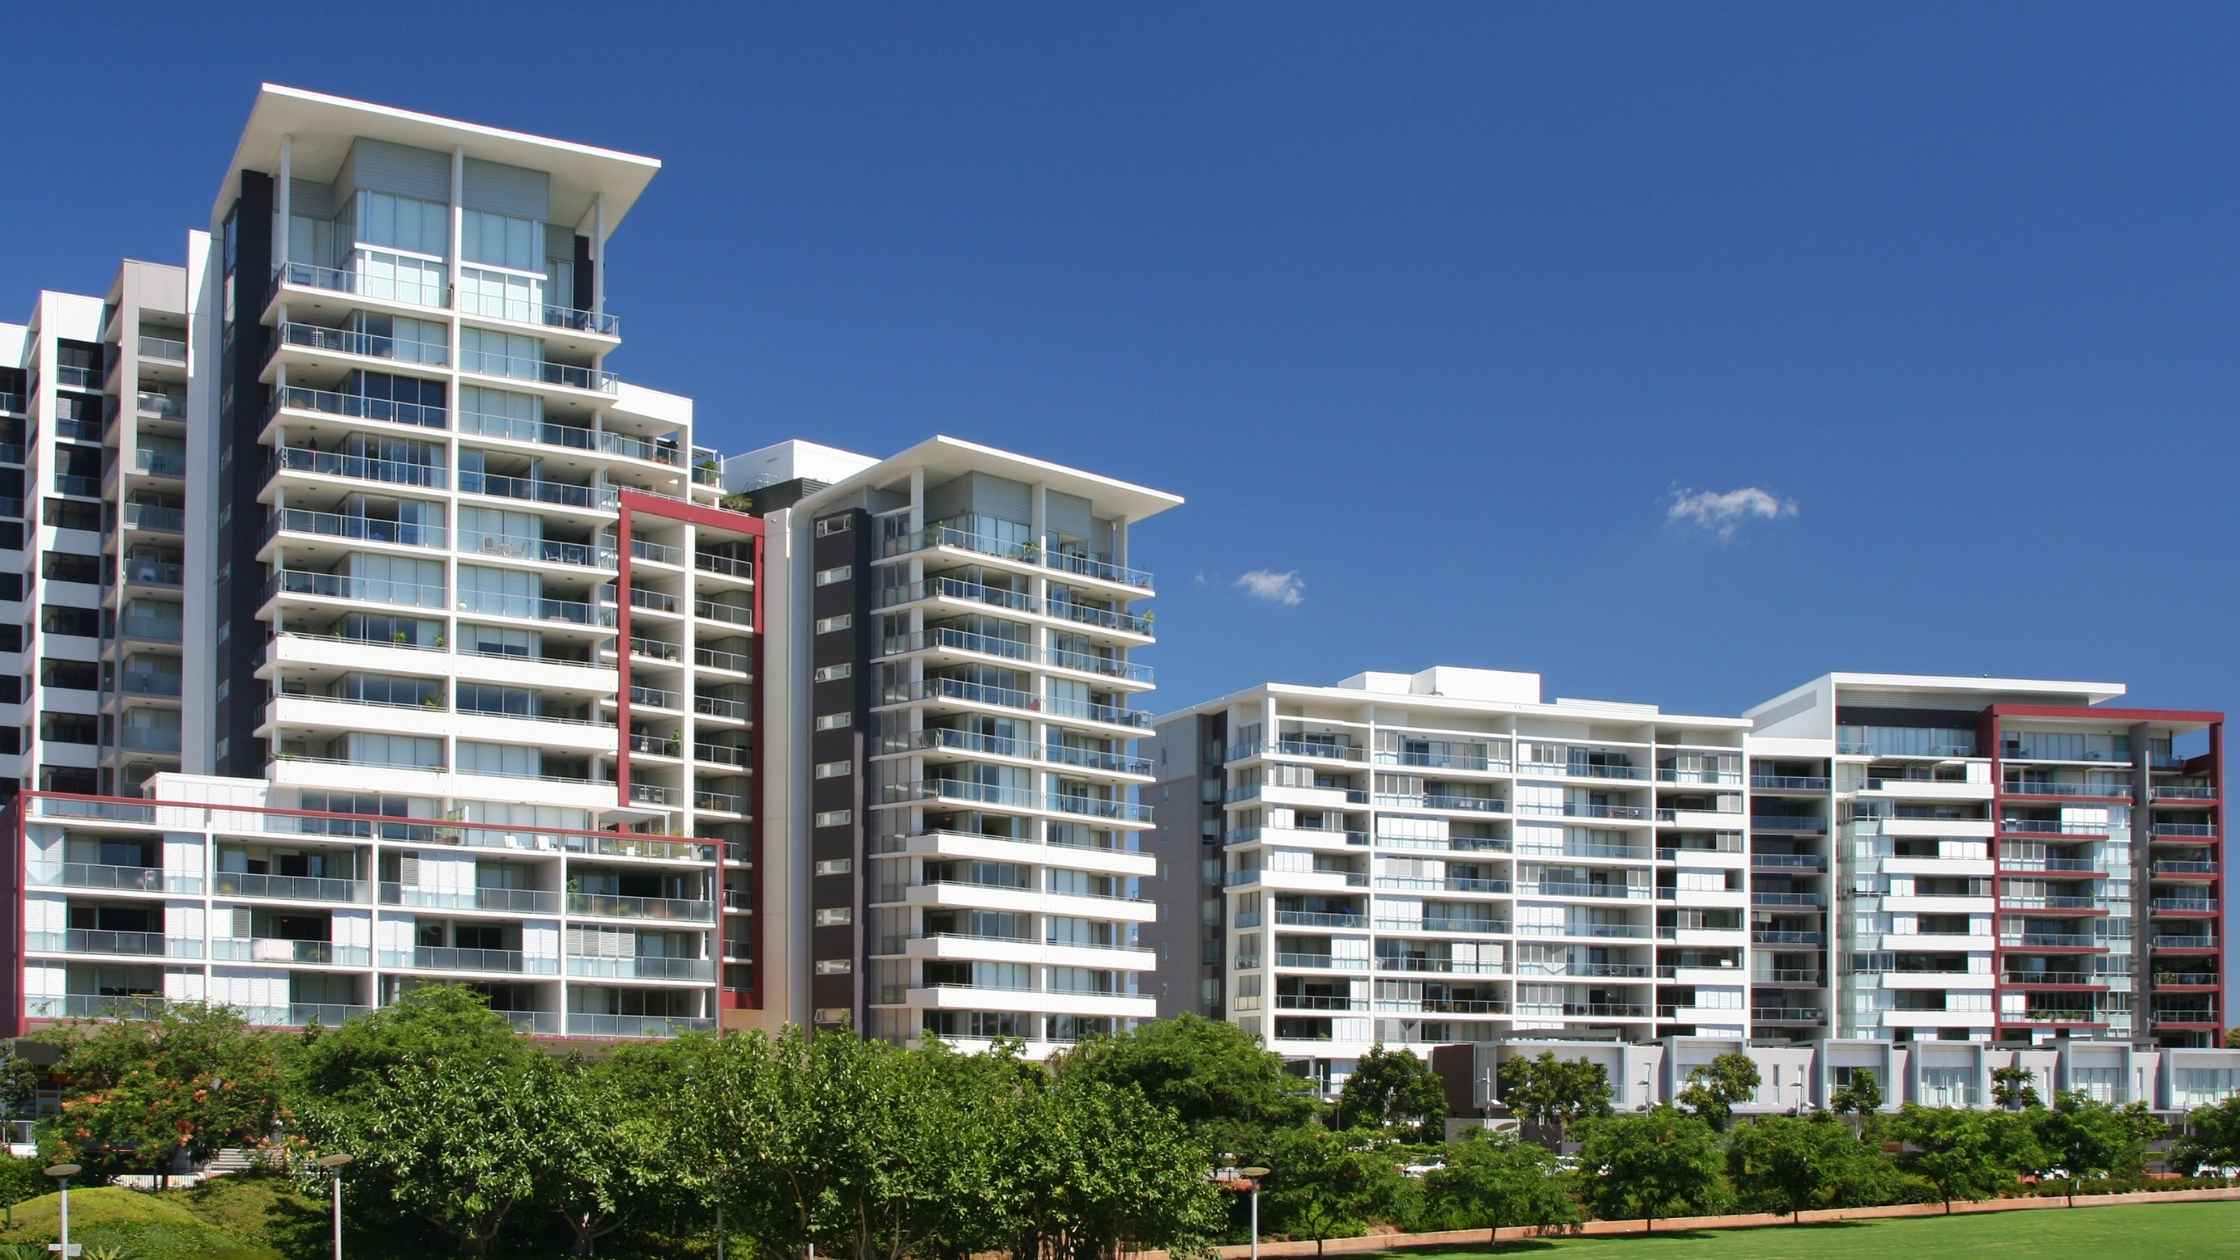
x=1948 y=1207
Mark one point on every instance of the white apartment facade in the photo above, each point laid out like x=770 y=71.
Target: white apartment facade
x=452 y=623
x=1443 y=858
x=956 y=643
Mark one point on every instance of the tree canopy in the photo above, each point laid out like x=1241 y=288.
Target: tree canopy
x=1714 y=1088
x=1551 y=1094
x=1395 y=1089
x=1494 y=1181
x=1652 y=1164
x=1211 y=1074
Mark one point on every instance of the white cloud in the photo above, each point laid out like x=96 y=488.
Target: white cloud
x=1725 y=511
x=1286 y=588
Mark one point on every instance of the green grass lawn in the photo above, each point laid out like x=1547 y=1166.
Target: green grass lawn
x=2161 y=1231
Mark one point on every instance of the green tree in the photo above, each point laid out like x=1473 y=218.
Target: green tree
x=2211 y=1140
x=1787 y=1164
x=2087 y=1138
x=1103 y=1167
x=21 y=1178
x=1861 y=1096
x=1955 y=1150
x=138 y=1094
x=1323 y=1184
x=1714 y=1088
x=607 y=1159
x=1652 y=1164
x=1210 y=1073
x=1494 y=1181
x=2014 y=1086
x=1551 y=1095
x=1395 y=1089
x=454 y=1141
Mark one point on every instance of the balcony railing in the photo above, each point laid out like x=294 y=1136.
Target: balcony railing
x=344 y=341
x=458 y=958
x=546 y=550
x=530 y=490
x=103 y=941
x=1789 y=783
x=509 y=900
x=358 y=467
x=615 y=906
x=382 y=288
x=945 y=638
x=157 y=463
x=113 y=878
x=357 y=528
x=165 y=349
x=488 y=363
x=287 y=887
x=727 y=566
x=583 y=1024
x=640 y=967
x=535 y=608
x=271 y=949
x=339 y=586
x=357 y=407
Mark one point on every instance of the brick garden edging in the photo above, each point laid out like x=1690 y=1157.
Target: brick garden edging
x=1457 y=1238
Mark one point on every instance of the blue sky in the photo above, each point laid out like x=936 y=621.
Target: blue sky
x=1439 y=310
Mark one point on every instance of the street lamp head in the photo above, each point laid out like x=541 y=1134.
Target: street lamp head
x=1252 y=1172
x=332 y=1161
x=64 y=1170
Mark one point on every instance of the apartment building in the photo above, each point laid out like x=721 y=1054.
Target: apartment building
x=956 y=639
x=1443 y=857
x=2019 y=859
x=349 y=528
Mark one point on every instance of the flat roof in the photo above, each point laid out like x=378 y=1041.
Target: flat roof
x=944 y=454
x=323 y=127
x=1564 y=707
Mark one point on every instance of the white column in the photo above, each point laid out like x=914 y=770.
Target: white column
x=598 y=261
x=284 y=198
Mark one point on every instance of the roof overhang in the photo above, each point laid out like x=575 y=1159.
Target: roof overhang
x=943 y=456
x=323 y=127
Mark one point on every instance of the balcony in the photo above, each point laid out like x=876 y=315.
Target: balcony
x=287 y=887
x=739 y=615
x=1559 y=888
x=323 y=340
x=502 y=900
x=297 y=459
x=1028 y=553
x=456 y=958
x=935 y=739
x=273 y=949
x=356 y=528
x=534 y=608
x=163 y=349
x=639 y=967
x=378 y=287
x=365 y=590
x=102 y=941
x=150 y=462
x=947 y=639
x=723 y=566
x=582 y=1024
x=615 y=906
x=541 y=371
x=1788 y=783
x=1803 y=823
x=328 y=402
x=588 y=498
x=155 y=516
x=542 y=550
x=146 y=879
x=956 y=689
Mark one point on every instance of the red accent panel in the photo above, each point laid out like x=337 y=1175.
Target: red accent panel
x=2106 y=713
x=699 y=515
x=18 y=902
x=622 y=663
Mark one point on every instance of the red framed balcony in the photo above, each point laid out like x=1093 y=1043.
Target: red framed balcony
x=2188 y=981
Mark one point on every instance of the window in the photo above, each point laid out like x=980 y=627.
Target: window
x=835 y=721
x=501 y=240
x=834 y=769
x=835 y=966
x=404 y=223
x=832 y=525
x=835 y=817
x=826 y=625
x=834 y=673
x=837 y=573
x=839 y=916
x=836 y=866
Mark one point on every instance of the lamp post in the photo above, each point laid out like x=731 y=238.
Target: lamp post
x=1800 y=1095
x=334 y=1165
x=1645 y=1081
x=1255 y=1174
x=63 y=1173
